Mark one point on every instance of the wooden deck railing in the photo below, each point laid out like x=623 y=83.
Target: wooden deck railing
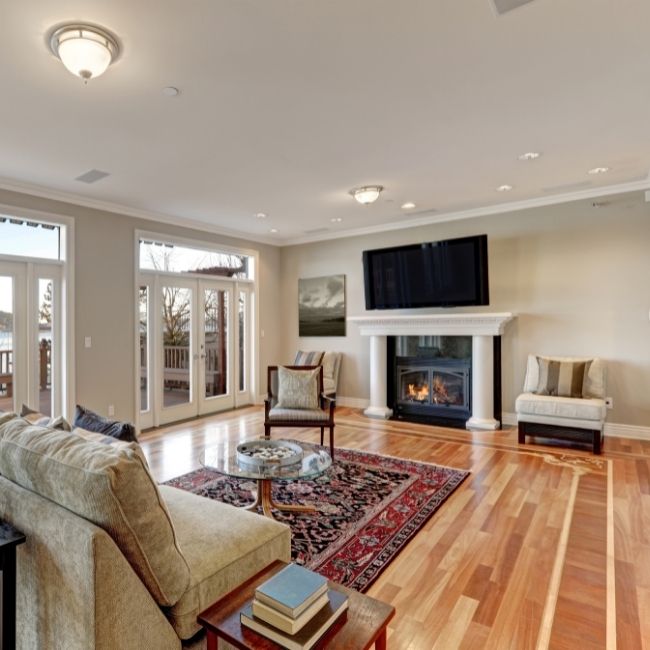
x=44 y=367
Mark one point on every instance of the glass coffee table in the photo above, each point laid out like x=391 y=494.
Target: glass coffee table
x=223 y=459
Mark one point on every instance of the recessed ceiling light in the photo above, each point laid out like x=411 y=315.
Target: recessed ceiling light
x=504 y=188
x=409 y=205
x=367 y=194
x=336 y=219
x=274 y=230
x=529 y=155
x=598 y=170
x=261 y=215
x=171 y=91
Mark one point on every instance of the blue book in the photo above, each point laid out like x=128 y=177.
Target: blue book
x=292 y=590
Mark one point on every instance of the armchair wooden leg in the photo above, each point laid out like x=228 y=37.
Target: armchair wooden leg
x=322 y=434
x=522 y=433
x=267 y=431
x=597 y=440
x=332 y=442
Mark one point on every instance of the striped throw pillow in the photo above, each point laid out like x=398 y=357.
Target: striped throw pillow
x=308 y=358
x=561 y=378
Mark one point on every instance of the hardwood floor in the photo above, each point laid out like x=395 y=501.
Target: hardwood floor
x=541 y=547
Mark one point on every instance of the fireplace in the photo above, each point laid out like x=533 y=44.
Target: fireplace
x=431 y=379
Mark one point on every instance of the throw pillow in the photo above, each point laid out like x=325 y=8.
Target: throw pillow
x=91 y=421
x=297 y=389
x=34 y=417
x=561 y=378
x=308 y=358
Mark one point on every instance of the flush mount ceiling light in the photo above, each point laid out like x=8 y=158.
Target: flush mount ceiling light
x=85 y=50
x=504 y=188
x=367 y=194
x=409 y=205
x=529 y=155
x=261 y=215
x=598 y=170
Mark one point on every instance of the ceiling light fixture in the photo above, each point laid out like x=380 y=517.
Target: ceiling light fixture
x=529 y=155
x=261 y=215
x=274 y=230
x=336 y=219
x=598 y=170
x=170 y=91
x=85 y=50
x=504 y=188
x=367 y=194
x=409 y=205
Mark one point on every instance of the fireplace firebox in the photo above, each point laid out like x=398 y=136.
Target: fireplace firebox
x=431 y=379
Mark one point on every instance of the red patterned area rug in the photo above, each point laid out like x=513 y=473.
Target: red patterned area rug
x=368 y=508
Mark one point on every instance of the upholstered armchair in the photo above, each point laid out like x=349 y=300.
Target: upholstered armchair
x=296 y=399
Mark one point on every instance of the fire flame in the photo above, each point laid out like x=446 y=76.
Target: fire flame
x=418 y=393
x=440 y=393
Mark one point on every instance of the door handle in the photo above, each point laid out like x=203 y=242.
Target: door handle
x=203 y=356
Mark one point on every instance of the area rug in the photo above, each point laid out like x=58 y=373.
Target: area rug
x=368 y=508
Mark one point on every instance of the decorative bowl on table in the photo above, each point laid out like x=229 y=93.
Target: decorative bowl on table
x=268 y=453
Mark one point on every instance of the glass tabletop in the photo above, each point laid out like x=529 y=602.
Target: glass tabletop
x=224 y=459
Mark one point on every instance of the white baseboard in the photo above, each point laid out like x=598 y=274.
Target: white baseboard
x=352 y=402
x=612 y=429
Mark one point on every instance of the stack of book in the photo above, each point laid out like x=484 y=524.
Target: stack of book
x=294 y=608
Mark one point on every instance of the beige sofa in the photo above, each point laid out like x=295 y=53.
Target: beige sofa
x=113 y=561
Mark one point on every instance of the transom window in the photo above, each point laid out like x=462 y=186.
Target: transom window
x=175 y=258
x=26 y=238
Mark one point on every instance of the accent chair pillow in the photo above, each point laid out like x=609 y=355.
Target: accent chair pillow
x=562 y=378
x=308 y=358
x=42 y=420
x=90 y=421
x=298 y=389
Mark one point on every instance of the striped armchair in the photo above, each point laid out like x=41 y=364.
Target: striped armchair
x=278 y=416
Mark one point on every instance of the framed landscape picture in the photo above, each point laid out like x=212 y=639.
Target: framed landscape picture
x=321 y=306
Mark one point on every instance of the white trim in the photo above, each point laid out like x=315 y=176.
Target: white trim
x=399 y=224
x=612 y=429
x=473 y=324
x=119 y=208
x=352 y=402
x=499 y=208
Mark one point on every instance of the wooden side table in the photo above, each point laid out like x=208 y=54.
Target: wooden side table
x=366 y=623
x=9 y=539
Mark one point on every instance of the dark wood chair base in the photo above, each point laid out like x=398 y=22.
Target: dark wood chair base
x=589 y=436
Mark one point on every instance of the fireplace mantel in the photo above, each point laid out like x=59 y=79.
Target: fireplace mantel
x=476 y=324
x=480 y=326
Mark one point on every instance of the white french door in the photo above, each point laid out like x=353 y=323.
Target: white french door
x=194 y=347
x=31 y=337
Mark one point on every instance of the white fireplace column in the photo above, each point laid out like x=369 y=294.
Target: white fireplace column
x=378 y=376
x=482 y=384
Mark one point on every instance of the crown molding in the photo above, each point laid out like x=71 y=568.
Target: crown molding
x=125 y=210
x=437 y=217
x=473 y=213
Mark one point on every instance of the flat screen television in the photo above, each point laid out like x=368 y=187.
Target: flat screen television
x=451 y=273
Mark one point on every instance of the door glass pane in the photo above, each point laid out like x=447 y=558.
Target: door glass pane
x=45 y=344
x=177 y=359
x=241 y=352
x=143 y=327
x=6 y=343
x=216 y=342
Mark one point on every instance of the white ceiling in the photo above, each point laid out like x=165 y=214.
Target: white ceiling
x=286 y=105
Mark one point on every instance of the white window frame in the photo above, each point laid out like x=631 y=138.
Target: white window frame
x=150 y=278
x=65 y=349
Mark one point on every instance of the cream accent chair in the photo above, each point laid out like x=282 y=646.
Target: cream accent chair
x=331 y=362
x=565 y=418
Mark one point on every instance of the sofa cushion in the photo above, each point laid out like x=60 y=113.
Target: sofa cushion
x=298 y=389
x=594 y=385
x=308 y=358
x=233 y=545
x=110 y=487
x=304 y=415
x=561 y=407
x=561 y=378
x=91 y=421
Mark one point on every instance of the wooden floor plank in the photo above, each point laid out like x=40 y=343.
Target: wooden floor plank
x=480 y=573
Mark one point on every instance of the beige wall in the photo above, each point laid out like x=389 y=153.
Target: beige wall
x=577 y=277
x=104 y=298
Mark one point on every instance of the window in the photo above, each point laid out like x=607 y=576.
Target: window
x=174 y=258
x=24 y=238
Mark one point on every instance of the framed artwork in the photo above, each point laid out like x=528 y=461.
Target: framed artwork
x=321 y=306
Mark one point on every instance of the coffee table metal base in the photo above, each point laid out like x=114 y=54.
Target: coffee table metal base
x=265 y=500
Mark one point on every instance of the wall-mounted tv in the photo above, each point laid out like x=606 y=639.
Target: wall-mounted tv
x=451 y=273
